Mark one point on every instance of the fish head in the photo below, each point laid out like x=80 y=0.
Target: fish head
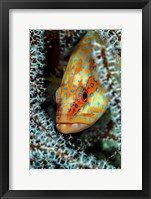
x=80 y=99
x=82 y=108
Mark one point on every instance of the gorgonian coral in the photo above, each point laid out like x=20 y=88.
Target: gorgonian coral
x=97 y=147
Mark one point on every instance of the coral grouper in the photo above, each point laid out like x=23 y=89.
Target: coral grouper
x=81 y=98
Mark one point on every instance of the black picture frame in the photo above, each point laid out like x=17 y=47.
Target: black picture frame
x=5 y=5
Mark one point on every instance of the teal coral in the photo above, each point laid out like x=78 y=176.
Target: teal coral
x=51 y=150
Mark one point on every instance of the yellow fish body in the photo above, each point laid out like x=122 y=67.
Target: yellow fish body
x=81 y=98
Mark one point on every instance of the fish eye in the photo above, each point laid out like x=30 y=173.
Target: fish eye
x=85 y=96
x=82 y=95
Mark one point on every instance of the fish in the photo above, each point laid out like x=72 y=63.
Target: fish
x=81 y=98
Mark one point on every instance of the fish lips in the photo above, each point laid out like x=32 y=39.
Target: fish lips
x=68 y=128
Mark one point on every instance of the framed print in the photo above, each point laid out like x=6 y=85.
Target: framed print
x=75 y=99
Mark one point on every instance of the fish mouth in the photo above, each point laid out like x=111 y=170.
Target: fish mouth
x=68 y=128
x=80 y=119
